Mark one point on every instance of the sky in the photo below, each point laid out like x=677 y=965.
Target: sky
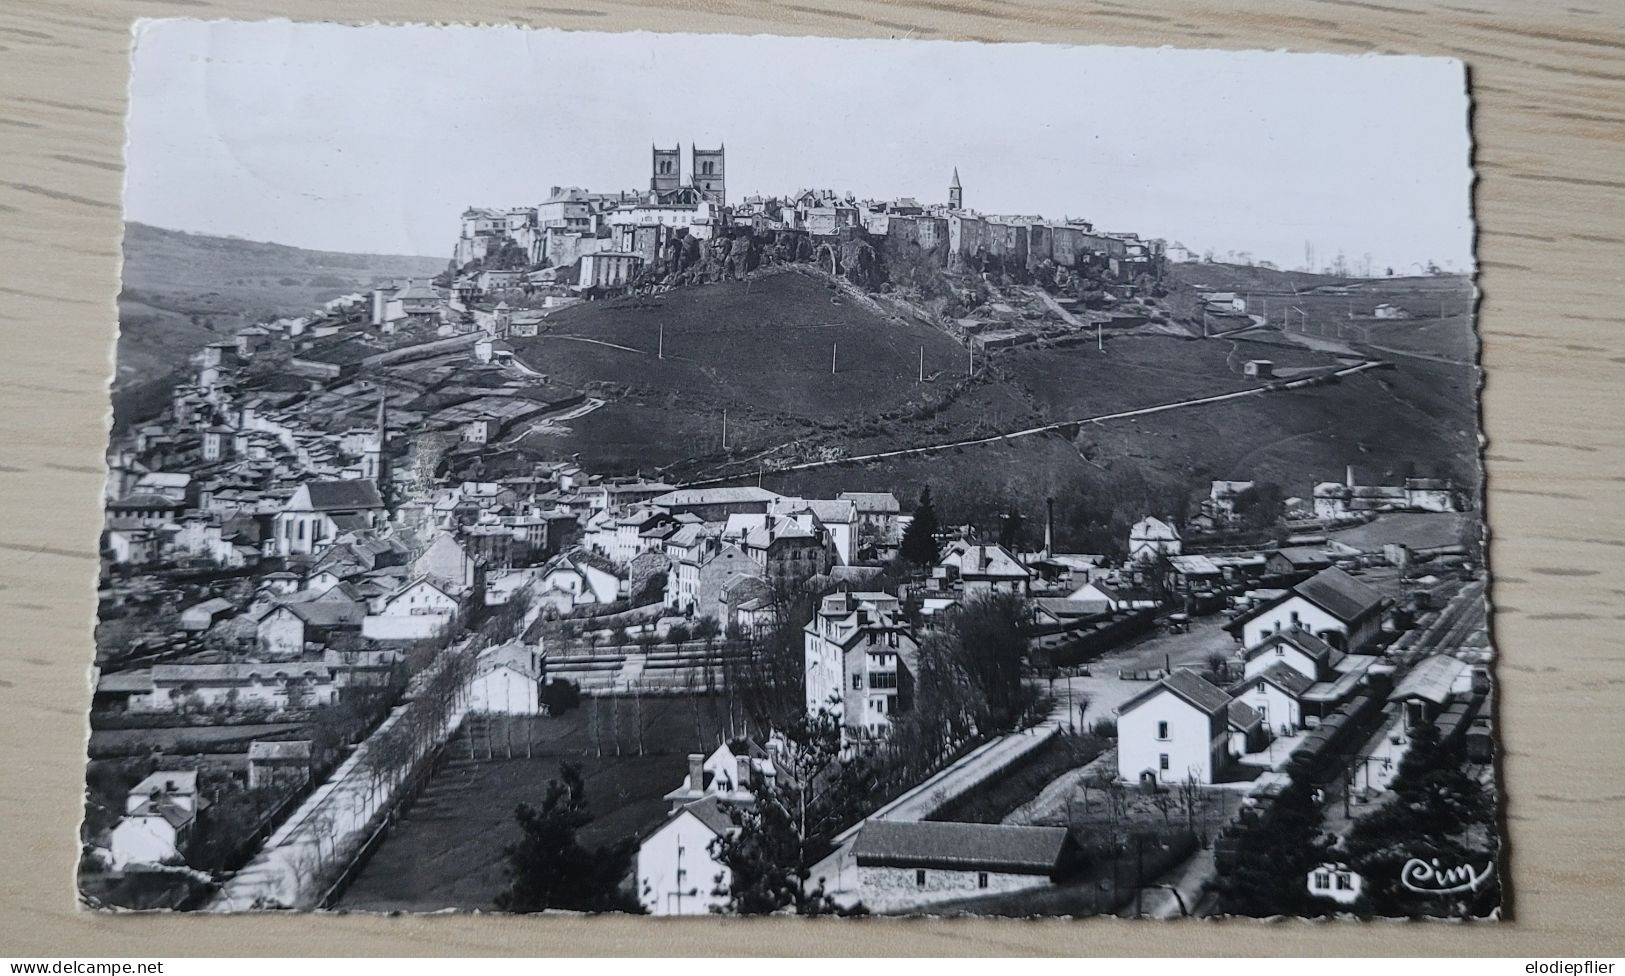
x=374 y=139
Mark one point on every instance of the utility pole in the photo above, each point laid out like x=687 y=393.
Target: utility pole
x=1100 y=340
x=724 y=428
x=832 y=347
x=922 y=365
x=972 y=344
x=661 y=349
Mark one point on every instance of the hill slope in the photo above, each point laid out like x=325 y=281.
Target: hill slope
x=184 y=290
x=761 y=351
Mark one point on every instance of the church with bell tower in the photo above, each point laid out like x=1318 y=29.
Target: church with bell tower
x=707 y=179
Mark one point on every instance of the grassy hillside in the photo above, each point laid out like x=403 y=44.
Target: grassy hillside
x=184 y=290
x=761 y=352
x=1419 y=419
x=766 y=341
x=1441 y=306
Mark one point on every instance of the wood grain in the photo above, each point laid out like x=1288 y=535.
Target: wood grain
x=1548 y=83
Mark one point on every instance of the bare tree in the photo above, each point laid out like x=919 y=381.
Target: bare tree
x=1191 y=800
x=637 y=709
x=592 y=726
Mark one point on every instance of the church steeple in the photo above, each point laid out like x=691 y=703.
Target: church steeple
x=956 y=193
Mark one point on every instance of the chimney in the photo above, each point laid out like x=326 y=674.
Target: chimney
x=1349 y=476
x=742 y=768
x=696 y=772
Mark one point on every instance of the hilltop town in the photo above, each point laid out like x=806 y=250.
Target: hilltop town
x=849 y=530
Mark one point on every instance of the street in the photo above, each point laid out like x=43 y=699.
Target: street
x=1104 y=691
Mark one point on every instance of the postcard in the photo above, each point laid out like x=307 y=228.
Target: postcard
x=690 y=475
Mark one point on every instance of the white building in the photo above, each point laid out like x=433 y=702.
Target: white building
x=418 y=610
x=1338 y=882
x=237 y=686
x=860 y=657
x=981 y=570
x=735 y=772
x=279 y=763
x=837 y=518
x=1331 y=605
x=1151 y=538
x=201 y=616
x=1228 y=300
x=608 y=269
x=579 y=581
x=904 y=866
x=507 y=680
x=320 y=511
x=1176 y=729
x=160 y=813
x=677 y=869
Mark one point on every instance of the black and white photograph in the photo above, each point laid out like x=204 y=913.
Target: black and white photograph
x=683 y=474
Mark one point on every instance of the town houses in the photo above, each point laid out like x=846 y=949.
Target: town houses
x=584 y=243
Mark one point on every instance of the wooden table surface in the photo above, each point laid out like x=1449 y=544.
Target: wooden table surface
x=1548 y=83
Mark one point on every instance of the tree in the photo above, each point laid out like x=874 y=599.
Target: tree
x=1010 y=530
x=1437 y=810
x=428 y=450
x=559 y=696
x=781 y=836
x=1261 y=505
x=919 y=545
x=549 y=868
x=1274 y=857
x=766 y=860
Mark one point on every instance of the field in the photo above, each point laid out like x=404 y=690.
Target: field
x=760 y=350
x=1419 y=530
x=1440 y=306
x=447 y=849
x=1417 y=419
x=183 y=739
x=183 y=290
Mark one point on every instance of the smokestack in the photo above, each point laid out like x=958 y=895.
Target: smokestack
x=1049 y=527
x=696 y=772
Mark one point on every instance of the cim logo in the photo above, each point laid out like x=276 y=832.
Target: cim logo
x=1432 y=878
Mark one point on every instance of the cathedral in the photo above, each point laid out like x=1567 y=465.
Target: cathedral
x=706 y=180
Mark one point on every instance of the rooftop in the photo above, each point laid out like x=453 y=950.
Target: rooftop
x=1340 y=594
x=960 y=846
x=1189 y=686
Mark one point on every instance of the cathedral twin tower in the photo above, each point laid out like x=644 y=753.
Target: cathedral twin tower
x=705 y=174
x=706 y=179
